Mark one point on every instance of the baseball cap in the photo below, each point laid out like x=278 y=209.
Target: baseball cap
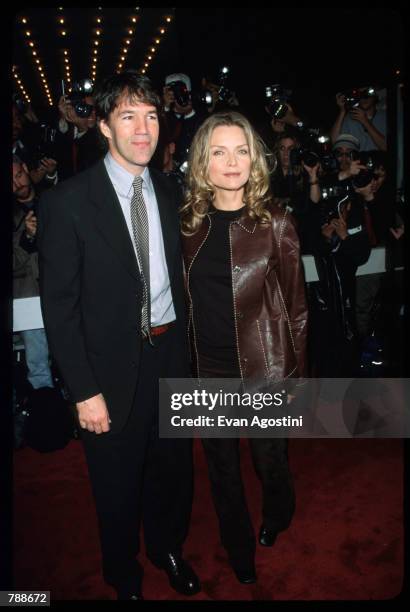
x=179 y=76
x=347 y=140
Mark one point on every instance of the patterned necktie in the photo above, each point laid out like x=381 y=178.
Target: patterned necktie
x=139 y=220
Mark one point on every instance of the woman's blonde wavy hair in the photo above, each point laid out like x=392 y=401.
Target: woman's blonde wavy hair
x=200 y=192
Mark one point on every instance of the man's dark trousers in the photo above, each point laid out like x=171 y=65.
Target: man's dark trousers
x=135 y=474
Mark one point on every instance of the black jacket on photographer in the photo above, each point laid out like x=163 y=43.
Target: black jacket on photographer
x=76 y=151
x=332 y=300
x=25 y=257
x=30 y=148
x=182 y=130
x=295 y=188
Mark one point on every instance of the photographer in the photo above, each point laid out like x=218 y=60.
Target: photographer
x=280 y=111
x=360 y=117
x=295 y=184
x=79 y=145
x=347 y=165
x=25 y=271
x=341 y=245
x=215 y=95
x=182 y=118
x=28 y=136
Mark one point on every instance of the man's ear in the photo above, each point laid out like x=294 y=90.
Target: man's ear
x=105 y=128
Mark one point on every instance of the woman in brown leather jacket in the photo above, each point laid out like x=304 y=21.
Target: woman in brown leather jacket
x=248 y=313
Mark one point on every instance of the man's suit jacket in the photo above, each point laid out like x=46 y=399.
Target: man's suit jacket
x=91 y=289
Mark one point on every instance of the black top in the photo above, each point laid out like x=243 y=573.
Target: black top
x=211 y=291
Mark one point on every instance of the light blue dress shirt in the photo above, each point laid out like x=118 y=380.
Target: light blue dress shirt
x=162 y=307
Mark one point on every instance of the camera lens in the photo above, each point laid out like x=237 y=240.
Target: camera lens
x=362 y=179
x=310 y=159
x=83 y=110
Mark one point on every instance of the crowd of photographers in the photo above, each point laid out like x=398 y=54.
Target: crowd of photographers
x=338 y=184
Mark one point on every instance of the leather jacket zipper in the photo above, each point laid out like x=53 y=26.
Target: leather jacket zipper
x=234 y=301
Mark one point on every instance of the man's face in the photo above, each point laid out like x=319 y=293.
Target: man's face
x=132 y=130
x=17 y=124
x=85 y=123
x=367 y=103
x=342 y=155
x=22 y=186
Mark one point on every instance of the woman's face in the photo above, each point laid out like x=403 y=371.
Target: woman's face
x=379 y=178
x=285 y=147
x=229 y=161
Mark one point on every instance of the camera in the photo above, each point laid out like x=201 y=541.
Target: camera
x=224 y=93
x=314 y=148
x=276 y=97
x=335 y=207
x=80 y=90
x=365 y=176
x=181 y=93
x=353 y=96
x=46 y=146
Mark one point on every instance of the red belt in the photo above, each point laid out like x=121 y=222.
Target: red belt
x=159 y=329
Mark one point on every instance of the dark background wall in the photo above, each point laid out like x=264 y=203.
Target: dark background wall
x=314 y=51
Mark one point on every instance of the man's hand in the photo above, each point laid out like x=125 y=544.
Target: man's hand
x=358 y=114
x=340 y=101
x=30 y=222
x=49 y=165
x=46 y=166
x=327 y=230
x=312 y=171
x=366 y=192
x=93 y=414
x=355 y=167
x=67 y=111
x=340 y=226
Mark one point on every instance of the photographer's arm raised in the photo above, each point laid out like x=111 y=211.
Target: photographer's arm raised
x=336 y=127
x=358 y=114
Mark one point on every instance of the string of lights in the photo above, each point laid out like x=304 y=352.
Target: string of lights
x=62 y=31
x=20 y=84
x=36 y=57
x=150 y=55
x=127 y=41
x=96 y=44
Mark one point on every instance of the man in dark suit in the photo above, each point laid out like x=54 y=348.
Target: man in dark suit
x=113 y=303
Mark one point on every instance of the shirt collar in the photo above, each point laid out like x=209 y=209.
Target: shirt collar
x=122 y=179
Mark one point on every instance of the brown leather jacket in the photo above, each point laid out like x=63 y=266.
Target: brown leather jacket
x=269 y=295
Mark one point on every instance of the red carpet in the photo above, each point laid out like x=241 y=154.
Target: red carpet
x=345 y=542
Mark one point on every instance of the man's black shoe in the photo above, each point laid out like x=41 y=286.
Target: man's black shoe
x=245 y=576
x=267 y=536
x=182 y=577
